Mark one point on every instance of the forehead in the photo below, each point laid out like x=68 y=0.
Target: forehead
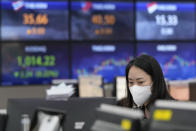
x=135 y=73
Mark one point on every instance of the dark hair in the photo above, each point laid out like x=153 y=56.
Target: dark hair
x=151 y=67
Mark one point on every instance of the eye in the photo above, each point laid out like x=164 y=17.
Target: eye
x=140 y=82
x=130 y=83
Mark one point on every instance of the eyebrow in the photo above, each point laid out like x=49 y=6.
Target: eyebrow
x=137 y=79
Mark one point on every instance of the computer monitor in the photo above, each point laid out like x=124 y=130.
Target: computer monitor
x=30 y=63
x=102 y=20
x=115 y=118
x=107 y=59
x=17 y=107
x=165 y=20
x=177 y=60
x=173 y=116
x=34 y=20
x=79 y=111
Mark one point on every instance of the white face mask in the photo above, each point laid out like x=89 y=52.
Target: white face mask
x=140 y=94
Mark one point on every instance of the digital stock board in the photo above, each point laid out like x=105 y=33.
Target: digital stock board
x=165 y=20
x=101 y=20
x=34 y=20
x=177 y=60
x=24 y=64
x=108 y=60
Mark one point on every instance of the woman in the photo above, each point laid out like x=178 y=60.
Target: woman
x=145 y=83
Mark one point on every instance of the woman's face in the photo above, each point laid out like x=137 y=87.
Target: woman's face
x=137 y=76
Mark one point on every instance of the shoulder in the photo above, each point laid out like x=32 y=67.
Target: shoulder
x=125 y=102
x=169 y=97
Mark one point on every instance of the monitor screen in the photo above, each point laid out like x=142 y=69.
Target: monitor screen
x=165 y=21
x=78 y=110
x=98 y=20
x=172 y=115
x=24 y=64
x=178 y=61
x=34 y=20
x=18 y=107
x=107 y=60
